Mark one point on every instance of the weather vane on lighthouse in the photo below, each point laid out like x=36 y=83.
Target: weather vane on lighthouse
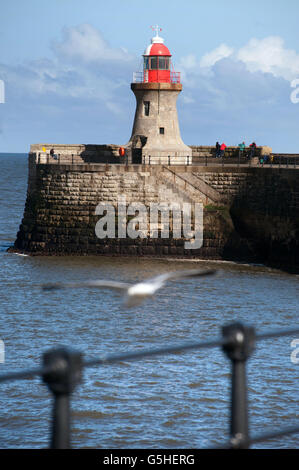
x=157 y=29
x=157 y=38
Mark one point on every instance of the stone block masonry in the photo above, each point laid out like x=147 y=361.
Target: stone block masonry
x=250 y=214
x=158 y=129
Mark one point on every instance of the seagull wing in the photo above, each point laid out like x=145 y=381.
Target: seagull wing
x=120 y=286
x=140 y=291
x=162 y=278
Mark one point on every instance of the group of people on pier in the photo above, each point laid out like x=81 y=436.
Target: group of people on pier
x=220 y=149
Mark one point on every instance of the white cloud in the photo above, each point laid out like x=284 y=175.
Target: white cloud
x=243 y=93
x=269 y=55
x=221 y=52
x=84 y=67
x=86 y=43
x=188 y=62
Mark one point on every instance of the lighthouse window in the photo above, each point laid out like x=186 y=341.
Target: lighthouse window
x=145 y=63
x=163 y=63
x=154 y=63
x=146 y=105
x=161 y=130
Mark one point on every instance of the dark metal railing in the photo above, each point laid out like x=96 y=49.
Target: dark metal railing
x=271 y=161
x=244 y=161
x=62 y=371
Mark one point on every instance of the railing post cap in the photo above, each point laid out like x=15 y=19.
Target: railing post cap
x=239 y=441
x=64 y=369
x=239 y=341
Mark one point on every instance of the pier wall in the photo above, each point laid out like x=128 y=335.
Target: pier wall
x=250 y=214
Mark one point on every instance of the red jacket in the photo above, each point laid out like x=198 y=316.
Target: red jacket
x=223 y=147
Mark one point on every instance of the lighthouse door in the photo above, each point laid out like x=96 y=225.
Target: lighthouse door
x=136 y=156
x=138 y=142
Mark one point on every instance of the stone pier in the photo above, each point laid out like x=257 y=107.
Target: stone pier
x=250 y=214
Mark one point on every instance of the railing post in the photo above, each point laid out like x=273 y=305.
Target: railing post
x=239 y=343
x=168 y=160
x=65 y=370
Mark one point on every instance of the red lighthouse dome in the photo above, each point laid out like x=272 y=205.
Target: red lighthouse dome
x=157 y=48
x=157 y=62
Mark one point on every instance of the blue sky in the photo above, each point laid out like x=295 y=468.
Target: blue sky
x=67 y=67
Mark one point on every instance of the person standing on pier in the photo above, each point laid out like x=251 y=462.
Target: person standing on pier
x=52 y=153
x=252 y=149
x=222 y=149
x=241 y=149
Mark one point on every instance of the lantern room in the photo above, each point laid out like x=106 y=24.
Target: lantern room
x=156 y=62
x=157 y=67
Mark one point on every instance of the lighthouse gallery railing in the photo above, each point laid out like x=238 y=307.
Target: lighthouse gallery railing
x=142 y=77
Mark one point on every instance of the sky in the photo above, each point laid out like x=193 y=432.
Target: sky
x=66 y=67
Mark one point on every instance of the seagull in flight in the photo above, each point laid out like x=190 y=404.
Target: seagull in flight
x=134 y=294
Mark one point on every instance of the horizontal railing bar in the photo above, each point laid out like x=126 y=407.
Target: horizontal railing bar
x=272 y=435
x=39 y=371
x=127 y=356
x=111 y=358
x=267 y=436
x=277 y=334
x=180 y=347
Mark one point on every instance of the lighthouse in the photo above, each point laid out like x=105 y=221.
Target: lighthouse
x=156 y=135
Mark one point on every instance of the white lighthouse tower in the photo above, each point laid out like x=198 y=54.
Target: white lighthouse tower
x=156 y=135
